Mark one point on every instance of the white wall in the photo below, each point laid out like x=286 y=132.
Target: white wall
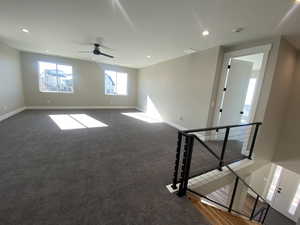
x=260 y=179
x=88 y=78
x=182 y=87
x=277 y=102
x=274 y=94
x=186 y=87
x=11 y=90
x=288 y=148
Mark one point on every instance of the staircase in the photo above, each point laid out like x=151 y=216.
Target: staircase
x=218 y=216
x=242 y=205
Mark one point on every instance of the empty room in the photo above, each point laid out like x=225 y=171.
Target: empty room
x=132 y=112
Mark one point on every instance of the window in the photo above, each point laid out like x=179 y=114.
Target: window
x=55 y=78
x=115 y=83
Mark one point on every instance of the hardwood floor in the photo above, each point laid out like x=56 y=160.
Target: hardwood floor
x=223 y=196
x=218 y=216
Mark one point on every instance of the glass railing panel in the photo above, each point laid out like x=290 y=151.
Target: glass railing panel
x=246 y=201
x=237 y=146
x=214 y=139
x=260 y=211
x=217 y=189
x=239 y=143
x=202 y=160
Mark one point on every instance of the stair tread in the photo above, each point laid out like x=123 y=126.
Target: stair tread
x=217 y=216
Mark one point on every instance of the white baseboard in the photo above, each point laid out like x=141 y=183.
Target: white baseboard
x=7 y=115
x=12 y=113
x=78 y=107
x=139 y=109
x=177 y=126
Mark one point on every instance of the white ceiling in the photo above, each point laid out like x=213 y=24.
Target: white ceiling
x=137 y=28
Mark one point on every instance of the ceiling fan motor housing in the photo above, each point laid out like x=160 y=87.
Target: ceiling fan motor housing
x=96 y=50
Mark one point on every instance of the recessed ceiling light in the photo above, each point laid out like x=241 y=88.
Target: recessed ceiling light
x=205 y=33
x=148 y=56
x=297 y=1
x=25 y=30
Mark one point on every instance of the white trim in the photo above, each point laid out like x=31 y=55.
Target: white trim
x=79 y=107
x=249 y=51
x=177 y=126
x=227 y=56
x=7 y=115
x=214 y=175
x=139 y=109
x=12 y=113
x=58 y=92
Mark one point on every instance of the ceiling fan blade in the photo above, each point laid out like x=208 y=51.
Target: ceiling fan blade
x=100 y=41
x=84 y=51
x=110 y=56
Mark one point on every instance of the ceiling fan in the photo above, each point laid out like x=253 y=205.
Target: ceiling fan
x=97 y=51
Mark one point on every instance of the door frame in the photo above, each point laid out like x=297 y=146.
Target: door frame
x=226 y=60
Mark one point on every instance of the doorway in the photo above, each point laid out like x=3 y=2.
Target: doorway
x=240 y=85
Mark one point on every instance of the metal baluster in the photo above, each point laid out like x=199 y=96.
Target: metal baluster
x=233 y=193
x=224 y=149
x=253 y=141
x=255 y=204
x=187 y=157
x=178 y=150
x=267 y=210
x=261 y=215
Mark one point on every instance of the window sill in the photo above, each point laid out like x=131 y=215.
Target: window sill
x=114 y=95
x=58 y=92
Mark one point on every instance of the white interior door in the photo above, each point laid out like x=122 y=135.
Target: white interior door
x=235 y=92
x=240 y=85
x=286 y=197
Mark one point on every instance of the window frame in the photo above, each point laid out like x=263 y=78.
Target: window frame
x=116 y=72
x=56 y=66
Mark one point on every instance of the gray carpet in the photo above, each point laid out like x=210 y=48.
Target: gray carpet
x=203 y=161
x=99 y=176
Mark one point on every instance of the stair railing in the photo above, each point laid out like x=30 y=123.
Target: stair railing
x=190 y=137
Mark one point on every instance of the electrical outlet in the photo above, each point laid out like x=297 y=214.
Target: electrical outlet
x=180 y=118
x=48 y=101
x=4 y=108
